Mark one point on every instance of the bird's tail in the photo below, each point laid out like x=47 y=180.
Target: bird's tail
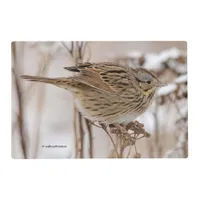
x=61 y=82
x=39 y=79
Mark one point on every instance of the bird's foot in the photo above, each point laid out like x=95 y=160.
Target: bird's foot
x=117 y=129
x=134 y=125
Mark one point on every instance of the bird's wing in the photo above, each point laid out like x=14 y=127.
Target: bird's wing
x=109 y=77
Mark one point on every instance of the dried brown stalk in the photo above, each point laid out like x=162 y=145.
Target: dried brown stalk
x=81 y=131
x=126 y=138
x=75 y=133
x=20 y=107
x=111 y=139
x=89 y=128
x=44 y=65
x=129 y=152
x=121 y=148
x=73 y=54
x=157 y=132
x=77 y=52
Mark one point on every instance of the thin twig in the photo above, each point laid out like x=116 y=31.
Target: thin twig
x=157 y=133
x=185 y=148
x=77 y=55
x=80 y=47
x=121 y=148
x=20 y=119
x=75 y=133
x=44 y=64
x=89 y=51
x=92 y=123
x=74 y=57
x=90 y=137
x=72 y=48
x=104 y=128
x=129 y=152
x=135 y=149
x=81 y=135
x=20 y=107
x=66 y=47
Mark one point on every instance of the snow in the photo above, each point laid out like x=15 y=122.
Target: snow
x=179 y=68
x=153 y=62
x=181 y=79
x=184 y=110
x=167 y=89
x=172 y=53
x=171 y=87
x=148 y=120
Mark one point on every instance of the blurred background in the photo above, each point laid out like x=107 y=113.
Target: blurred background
x=46 y=124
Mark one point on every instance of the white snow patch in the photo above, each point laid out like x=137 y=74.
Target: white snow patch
x=167 y=90
x=184 y=110
x=181 y=79
x=148 y=120
x=152 y=61
x=172 y=53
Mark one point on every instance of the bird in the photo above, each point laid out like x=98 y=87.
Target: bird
x=107 y=92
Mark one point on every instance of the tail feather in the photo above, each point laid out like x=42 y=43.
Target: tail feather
x=39 y=79
x=61 y=82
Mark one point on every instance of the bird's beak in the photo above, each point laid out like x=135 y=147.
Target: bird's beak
x=161 y=84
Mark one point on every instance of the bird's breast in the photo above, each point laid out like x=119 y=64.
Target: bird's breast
x=126 y=118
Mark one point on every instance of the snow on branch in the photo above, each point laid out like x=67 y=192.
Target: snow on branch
x=173 y=59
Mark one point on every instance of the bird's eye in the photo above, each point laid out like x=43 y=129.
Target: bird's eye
x=148 y=82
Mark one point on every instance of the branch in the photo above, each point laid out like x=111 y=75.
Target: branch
x=105 y=129
x=88 y=126
x=20 y=116
x=20 y=107
x=81 y=135
x=128 y=135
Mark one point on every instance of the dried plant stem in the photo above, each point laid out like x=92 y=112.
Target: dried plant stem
x=70 y=51
x=20 y=118
x=135 y=149
x=129 y=152
x=77 y=52
x=40 y=104
x=122 y=147
x=104 y=128
x=90 y=138
x=75 y=133
x=157 y=133
x=185 y=148
x=44 y=65
x=89 y=51
x=80 y=47
x=20 y=107
x=81 y=135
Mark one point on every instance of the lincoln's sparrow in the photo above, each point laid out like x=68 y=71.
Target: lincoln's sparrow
x=107 y=92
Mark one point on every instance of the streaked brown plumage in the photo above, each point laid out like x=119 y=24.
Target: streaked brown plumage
x=107 y=92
